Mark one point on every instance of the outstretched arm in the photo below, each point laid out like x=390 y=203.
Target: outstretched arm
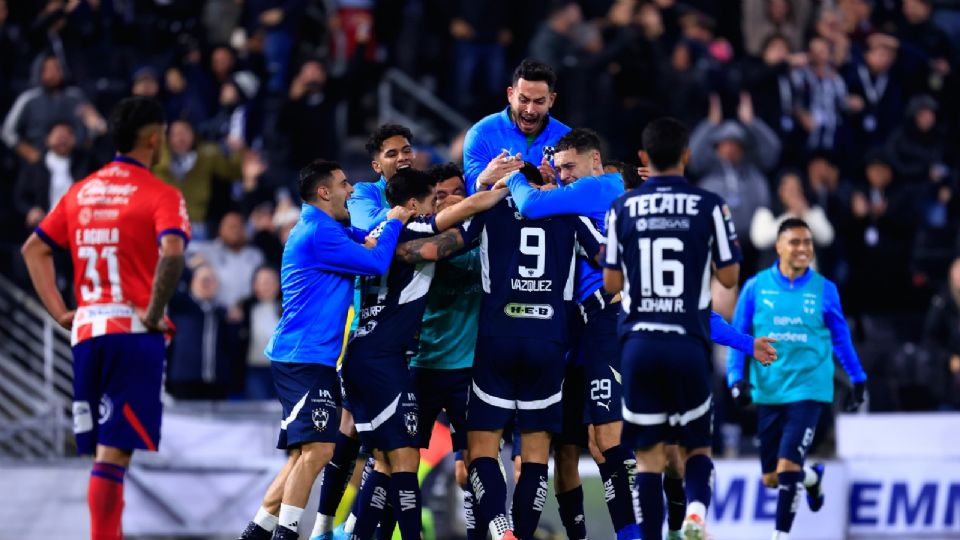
x=471 y=206
x=433 y=248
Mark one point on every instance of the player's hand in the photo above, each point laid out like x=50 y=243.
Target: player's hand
x=856 y=398
x=763 y=351
x=66 y=320
x=500 y=166
x=740 y=391
x=547 y=171
x=154 y=326
x=401 y=213
x=643 y=172
x=370 y=242
x=501 y=183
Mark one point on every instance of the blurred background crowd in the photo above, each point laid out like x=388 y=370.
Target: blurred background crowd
x=843 y=112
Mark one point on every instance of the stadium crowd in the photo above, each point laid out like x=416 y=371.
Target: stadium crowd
x=845 y=113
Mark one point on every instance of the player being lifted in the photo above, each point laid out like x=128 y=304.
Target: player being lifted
x=664 y=240
x=113 y=223
x=375 y=375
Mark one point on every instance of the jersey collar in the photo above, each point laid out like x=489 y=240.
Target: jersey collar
x=665 y=179
x=129 y=161
x=784 y=281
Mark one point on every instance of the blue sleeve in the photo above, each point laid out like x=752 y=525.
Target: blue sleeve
x=357 y=235
x=476 y=156
x=840 y=333
x=366 y=206
x=339 y=253
x=743 y=323
x=578 y=198
x=723 y=334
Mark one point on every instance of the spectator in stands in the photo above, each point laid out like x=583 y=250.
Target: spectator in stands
x=35 y=110
x=193 y=166
x=792 y=203
x=41 y=184
x=941 y=337
x=832 y=193
x=822 y=98
x=237 y=119
x=145 y=83
x=277 y=20
x=939 y=219
x=917 y=148
x=232 y=258
x=181 y=99
x=876 y=93
x=684 y=85
x=930 y=45
x=883 y=225
x=763 y=18
x=261 y=313
x=204 y=351
x=480 y=35
x=732 y=159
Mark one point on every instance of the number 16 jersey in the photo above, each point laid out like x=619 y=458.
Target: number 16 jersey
x=527 y=270
x=665 y=236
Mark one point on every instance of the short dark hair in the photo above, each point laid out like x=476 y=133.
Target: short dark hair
x=579 y=139
x=409 y=183
x=791 y=223
x=532 y=173
x=129 y=117
x=384 y=132
x=445 y=171
x=534 y=70
x=318 y=172
x=631 y=179
x=664 y=141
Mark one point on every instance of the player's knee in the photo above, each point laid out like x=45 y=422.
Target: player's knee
x=607 y=435
x=785 y=465
x=652 y=459
x=315 y=455
x=770 y=480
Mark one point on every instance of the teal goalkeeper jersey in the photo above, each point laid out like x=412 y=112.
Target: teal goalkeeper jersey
x=448 y=335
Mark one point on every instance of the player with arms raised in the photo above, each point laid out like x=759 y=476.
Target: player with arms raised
x=663 y=241
x=112 y=223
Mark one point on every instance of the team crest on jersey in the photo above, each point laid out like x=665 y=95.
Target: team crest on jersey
x=411 y=421
x=320 y=417
x=106 y=409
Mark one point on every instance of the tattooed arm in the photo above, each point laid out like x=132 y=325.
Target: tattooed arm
x=433 y=248
x=165 y=279
x=471 y=206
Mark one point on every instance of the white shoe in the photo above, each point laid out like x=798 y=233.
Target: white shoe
x=693 y=528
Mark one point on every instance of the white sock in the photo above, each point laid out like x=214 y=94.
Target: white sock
x=323 y=524
x=810 y=476
x=265 y=520
x=350 y=523
x=290 y=516
x=697 y=508
x=779 y=535
x=498 y=527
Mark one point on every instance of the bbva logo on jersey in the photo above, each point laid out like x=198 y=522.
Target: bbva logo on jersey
x=529 y=311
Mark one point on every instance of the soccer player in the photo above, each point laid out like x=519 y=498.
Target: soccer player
x=663 y=240
x=519 y=363
x=320 y=260
x=375 y=375
x=588 y=192
x=793 y=303
x=498 y=144
x=113 y=223
x=390 y=150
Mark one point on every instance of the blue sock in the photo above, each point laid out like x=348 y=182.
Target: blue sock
x=697 y=479
x=388 y=522
x=676 y=502
x=405 y=498
x=528 y=499
x=371 y=501
x=787 y=499
x=650 y=492
x=490 y=491
x=621 y=469
x=337 y=473
x=572 y=514
x=469 y=515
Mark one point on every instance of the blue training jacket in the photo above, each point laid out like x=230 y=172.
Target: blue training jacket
x=319 y=264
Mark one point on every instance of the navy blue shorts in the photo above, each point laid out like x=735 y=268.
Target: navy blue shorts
x=601 y=351
x=517 y=376
x=383 y=402
x=116 y=391
x=667 y=391
x=786 y=431
x=310 y=398
x=447 y=390
x=574 y=430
